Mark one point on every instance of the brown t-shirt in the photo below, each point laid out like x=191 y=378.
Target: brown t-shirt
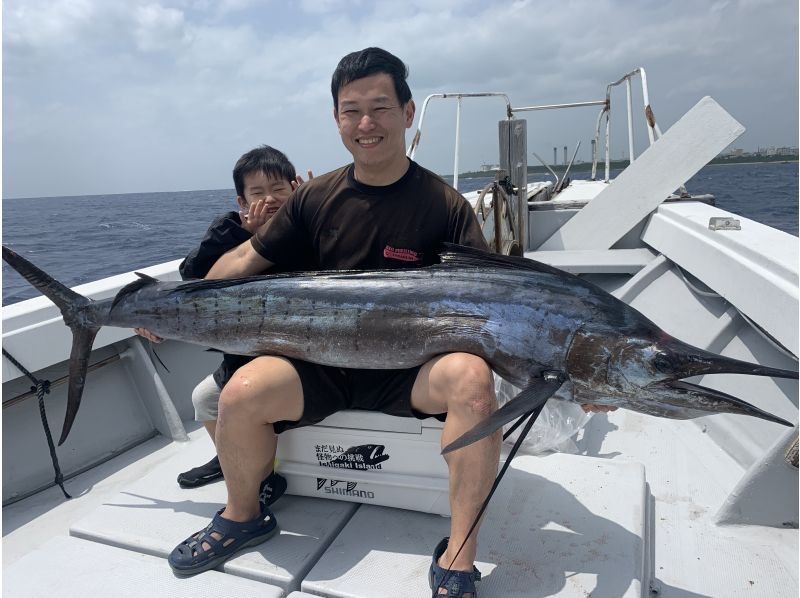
x=334 y=222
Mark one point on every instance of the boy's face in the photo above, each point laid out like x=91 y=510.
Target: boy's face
x=371 y=121
x=259 y=185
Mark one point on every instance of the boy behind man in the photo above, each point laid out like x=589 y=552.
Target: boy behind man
x=264 y=178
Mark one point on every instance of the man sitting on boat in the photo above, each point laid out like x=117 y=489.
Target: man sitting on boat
x=382 y=211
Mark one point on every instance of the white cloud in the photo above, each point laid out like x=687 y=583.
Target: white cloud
x=158 y=28
x=319 y=7
x=194 y=82
x=45 y=24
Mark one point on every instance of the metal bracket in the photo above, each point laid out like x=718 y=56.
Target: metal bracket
x=724 y=223
x=553 y=376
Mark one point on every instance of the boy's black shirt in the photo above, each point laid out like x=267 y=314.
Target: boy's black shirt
x=224 y=234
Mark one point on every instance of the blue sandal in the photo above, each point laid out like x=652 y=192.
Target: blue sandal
x=190 y=556
x=457 y=583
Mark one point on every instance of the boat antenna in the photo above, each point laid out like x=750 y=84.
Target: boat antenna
x=564 y=180
x=555 y=176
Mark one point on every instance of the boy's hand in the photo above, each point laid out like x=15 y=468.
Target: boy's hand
x=299 y=180
x=258 y=213
x=144 y=332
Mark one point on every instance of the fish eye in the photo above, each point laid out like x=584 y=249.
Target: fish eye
x=662 y=362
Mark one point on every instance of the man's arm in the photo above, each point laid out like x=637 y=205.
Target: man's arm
x=238 y=262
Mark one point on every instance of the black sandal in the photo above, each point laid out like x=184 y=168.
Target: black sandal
x=457 y=583
x=191 y=556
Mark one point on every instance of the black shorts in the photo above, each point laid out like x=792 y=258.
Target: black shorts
x=327 y=390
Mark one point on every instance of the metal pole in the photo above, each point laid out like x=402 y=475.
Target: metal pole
x=458 y=140
x=630 y=121
x=597 y=141
x=647 y=109
x=558 y=106
x=608 y=145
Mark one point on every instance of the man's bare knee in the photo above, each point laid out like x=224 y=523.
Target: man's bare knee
x=265 y=390
x=237 y=397
x=467 y=384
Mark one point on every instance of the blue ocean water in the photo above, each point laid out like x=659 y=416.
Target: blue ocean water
x=84 y=238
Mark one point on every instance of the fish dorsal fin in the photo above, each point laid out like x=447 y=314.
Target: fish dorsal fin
x=470 y=257
x=192 y=286
x=143 y=281
x=195 y=285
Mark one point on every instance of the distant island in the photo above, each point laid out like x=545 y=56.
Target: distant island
x=735 y=157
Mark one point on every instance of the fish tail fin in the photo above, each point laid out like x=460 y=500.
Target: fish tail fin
x=82 y=339
x=64 y=298
x=71 y=305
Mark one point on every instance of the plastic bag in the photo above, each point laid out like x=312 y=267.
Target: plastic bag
x=555 y=428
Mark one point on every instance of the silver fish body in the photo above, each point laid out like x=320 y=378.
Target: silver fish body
x=374 y=320
x=529 y=321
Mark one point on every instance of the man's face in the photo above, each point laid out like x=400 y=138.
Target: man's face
x=258 y=185
x=371 y=121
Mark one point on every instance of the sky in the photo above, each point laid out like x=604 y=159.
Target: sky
x=103 y=97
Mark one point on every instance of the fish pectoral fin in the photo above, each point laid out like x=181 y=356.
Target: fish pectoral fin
x=535 y=395
x=146 y=277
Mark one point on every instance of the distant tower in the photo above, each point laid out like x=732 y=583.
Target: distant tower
x=555 y=156
x=594 y=148
x=565 y=155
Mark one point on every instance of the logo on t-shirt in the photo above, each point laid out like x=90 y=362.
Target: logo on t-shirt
x=403 y=255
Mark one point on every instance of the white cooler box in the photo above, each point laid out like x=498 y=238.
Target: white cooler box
x=368 y=457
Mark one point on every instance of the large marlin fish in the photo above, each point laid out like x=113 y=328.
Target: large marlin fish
x=538 y=327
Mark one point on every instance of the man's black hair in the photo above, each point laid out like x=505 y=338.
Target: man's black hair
x=266 y=159
x=366 y=62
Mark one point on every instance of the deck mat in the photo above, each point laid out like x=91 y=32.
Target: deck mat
x=154 y=514
x=559 y=525
x=72 y=568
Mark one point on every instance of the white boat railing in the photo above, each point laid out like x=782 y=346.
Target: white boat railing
x=412 y=150
x=653 y=130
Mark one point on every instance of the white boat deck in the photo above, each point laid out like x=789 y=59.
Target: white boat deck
x=100 y=570
x=560 y=525
x=552 y=526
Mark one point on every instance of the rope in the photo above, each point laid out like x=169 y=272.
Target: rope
x=42 y=387
x=764 y=334
x=531 y=416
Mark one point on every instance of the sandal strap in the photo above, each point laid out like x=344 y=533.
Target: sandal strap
x=235 y=528
x=457 y=583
